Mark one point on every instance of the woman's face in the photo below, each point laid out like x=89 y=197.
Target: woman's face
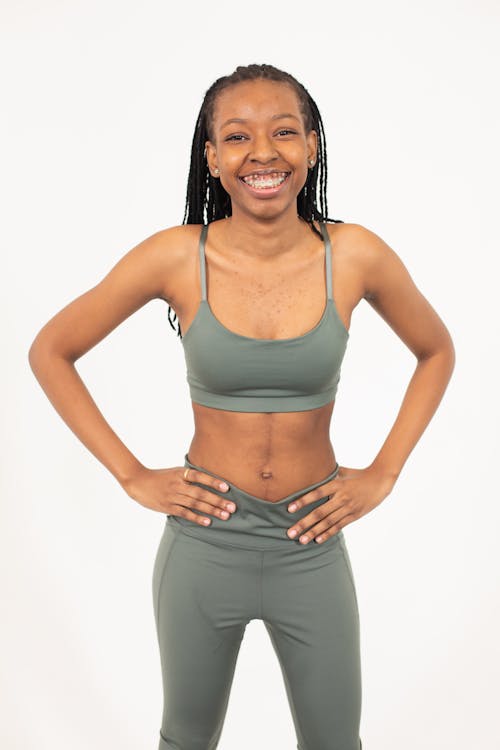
x=269 y=136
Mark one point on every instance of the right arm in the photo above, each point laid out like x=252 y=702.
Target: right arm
x=146 y=272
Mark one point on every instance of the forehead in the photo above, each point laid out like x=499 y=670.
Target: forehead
x=253 y=100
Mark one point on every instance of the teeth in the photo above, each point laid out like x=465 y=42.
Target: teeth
x=271 y=180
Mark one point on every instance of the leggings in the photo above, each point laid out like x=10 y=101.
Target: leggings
x=209 y=582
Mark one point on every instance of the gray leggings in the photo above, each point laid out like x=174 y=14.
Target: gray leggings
x=209 y=582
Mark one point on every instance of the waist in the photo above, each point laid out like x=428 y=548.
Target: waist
x=267 y=458
x=257 y=524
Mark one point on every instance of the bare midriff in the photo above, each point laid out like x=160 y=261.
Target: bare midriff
x=269 y=455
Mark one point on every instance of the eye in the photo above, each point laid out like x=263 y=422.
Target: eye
x=284 y=130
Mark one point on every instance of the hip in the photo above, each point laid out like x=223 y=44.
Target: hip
x=257 y=523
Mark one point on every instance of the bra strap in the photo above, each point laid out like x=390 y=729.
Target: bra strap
x=328 y=255
x=203 y=274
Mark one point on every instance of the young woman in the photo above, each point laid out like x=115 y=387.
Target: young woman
x=264 y=286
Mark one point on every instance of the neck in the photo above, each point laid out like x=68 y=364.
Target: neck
x=257 y=236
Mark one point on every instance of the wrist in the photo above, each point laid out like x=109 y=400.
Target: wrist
x=389 y=472
x=126 y=476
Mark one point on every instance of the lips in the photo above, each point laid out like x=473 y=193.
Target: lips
x=265 y=172
x=266 y=192
x=260 y=180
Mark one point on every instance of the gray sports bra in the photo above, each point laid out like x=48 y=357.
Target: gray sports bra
x=226 y=370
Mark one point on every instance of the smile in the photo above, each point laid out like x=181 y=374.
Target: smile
x=268 y=184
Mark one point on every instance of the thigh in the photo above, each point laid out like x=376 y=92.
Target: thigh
x=312 y=618
x=198 y=638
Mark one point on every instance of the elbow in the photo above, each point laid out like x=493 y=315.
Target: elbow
x=452 y=353
x=448 y=352
x=443 y=351
x=444 y=355
x=41 y=350
x=37 y=353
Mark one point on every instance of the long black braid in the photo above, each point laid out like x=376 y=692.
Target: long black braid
x=207 y=200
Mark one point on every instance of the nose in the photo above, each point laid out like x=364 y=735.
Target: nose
x=263 y=149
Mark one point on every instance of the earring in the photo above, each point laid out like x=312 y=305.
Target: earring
x=311 y=162
x=216 y=170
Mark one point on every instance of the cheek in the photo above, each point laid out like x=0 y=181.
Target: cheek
x=300 y=181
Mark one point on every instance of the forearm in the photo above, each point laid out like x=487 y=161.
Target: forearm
x=421 y=400
x=71 y=399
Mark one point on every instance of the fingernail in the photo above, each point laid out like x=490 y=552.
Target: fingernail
x=231 y=506
x=292 y=507
x=224 y=486
x=292 y=533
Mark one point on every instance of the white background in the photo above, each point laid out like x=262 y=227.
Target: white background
x=99 y=106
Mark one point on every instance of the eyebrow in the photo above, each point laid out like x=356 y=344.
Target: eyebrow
x=274 y=117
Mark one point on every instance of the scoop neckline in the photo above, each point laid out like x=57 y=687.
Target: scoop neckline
x=329 y=305
x=274 y=341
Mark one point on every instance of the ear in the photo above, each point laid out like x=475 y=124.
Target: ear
x=211 y=156
x=312 y=145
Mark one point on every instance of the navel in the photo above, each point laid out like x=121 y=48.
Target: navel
x=266 y=474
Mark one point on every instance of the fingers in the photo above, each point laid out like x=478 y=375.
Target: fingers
x=186 y=512
x=326 y=517
x=193 y=475
x=307 y=530
x=329 y=488
x=202 y=500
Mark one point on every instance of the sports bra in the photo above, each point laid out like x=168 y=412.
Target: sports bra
x=226 y=370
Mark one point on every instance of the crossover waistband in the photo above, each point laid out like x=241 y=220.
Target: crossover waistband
x=256 y=523
x=254 y=498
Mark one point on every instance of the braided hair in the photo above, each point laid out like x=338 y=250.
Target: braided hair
x=207 y=200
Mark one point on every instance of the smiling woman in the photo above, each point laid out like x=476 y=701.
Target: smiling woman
x=265 y=284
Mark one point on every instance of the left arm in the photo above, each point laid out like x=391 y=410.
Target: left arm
x=390 y=290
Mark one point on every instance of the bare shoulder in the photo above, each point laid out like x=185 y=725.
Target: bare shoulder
x=386 y=284
x=366 y=254
x=168 y=254
x=154 y=268
x=356 y=240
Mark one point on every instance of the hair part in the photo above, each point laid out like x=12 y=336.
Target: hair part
x=207 y=200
